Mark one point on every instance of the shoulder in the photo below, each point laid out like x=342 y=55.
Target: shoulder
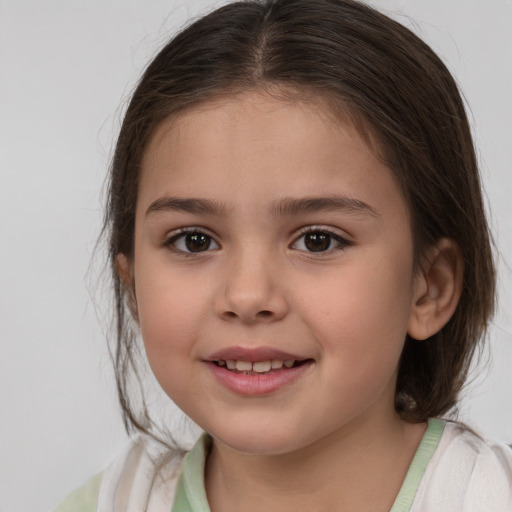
x=460 y=443
x=467 y=473
x=140 y=478
x=84 y=499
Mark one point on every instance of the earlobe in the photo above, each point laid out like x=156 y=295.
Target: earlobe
x=437 y=289
x=125 y=271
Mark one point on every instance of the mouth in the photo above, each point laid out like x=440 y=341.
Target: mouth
x=257 y=371
x=258 y=367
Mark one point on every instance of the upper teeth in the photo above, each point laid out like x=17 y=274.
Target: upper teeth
x=258 y=367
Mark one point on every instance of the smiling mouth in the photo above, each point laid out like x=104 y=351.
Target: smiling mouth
x=259 y=367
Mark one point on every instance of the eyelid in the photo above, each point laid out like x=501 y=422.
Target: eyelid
x=188 y=229
x=324 y=228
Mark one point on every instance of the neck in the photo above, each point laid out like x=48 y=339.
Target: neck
x=360 y=468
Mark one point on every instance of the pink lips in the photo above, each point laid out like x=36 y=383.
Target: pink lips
x=252 y=354
x=256 y=384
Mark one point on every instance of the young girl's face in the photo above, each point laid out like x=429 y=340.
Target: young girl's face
x=266 y=233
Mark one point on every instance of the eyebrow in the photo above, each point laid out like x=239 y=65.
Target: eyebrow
x=281 y=207
x=295 y=206
x=189 y=205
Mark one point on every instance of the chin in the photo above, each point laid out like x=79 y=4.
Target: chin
x=257 y=440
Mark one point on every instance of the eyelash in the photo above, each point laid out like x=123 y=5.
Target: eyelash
x=170 y=242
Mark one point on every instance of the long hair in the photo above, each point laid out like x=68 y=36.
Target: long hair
x=396 y=92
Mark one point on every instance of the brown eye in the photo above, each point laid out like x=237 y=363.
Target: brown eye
x=197 y=242
x=192 y=242
x=317 y=241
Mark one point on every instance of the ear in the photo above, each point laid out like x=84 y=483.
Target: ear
x=125 y=271
x=437 y=289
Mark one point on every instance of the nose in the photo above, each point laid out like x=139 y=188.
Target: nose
x=252 y=291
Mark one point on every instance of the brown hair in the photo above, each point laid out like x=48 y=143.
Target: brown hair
x=392 y=85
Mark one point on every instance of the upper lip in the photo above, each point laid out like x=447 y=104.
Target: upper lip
x=252 y=354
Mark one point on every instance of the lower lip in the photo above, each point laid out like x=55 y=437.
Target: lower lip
x=257 y=385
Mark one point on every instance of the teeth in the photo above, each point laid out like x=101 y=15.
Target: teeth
x=261 y=366
x=244 y=366
x=257 y=367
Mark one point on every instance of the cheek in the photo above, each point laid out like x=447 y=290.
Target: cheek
x=169 y=327
x=360 y=316
x=170 y=314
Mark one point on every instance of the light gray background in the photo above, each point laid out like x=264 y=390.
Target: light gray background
x=65 y=66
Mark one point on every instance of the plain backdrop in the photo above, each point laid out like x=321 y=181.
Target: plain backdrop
x=66 y=70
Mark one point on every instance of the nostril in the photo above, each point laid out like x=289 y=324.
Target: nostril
x=265 y=313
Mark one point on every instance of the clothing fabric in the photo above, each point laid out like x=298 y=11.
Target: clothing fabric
x=453 y=470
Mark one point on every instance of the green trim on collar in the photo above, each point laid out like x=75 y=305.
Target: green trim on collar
x=191 y=493
x=426 y=449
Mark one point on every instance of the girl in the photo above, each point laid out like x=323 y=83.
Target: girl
x=297 y=232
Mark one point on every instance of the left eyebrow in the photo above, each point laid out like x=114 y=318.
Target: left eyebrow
x=295 y=206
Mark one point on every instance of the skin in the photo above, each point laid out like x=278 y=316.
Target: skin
x=330 y=440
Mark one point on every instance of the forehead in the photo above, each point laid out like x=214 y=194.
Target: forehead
x=248 y=114
x=272 y=146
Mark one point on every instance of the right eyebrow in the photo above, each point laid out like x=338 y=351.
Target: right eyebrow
x=188 y=205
